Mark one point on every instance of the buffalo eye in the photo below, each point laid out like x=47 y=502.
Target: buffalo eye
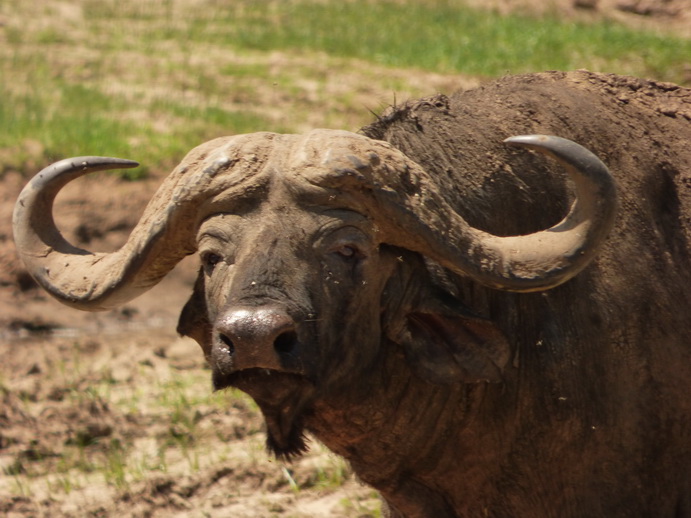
x=210 y=259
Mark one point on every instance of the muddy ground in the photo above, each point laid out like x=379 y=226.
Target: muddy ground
x=111 y=414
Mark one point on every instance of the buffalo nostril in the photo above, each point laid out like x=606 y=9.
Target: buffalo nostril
x=228 y=343
x=285 y=342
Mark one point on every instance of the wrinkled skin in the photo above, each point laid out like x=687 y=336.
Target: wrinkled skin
x=292 y=262
x=324 y=272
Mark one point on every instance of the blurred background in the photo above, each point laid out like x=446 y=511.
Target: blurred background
x=151 y=79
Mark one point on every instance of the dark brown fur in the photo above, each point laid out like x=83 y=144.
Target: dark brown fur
x=590 y=416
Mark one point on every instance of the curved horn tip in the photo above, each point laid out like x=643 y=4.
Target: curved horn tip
x=559 y=146
x=79 y=166
x=97 y=161
x=123 y=163
x=549 y=142
x=523 y=140
x=579 y=160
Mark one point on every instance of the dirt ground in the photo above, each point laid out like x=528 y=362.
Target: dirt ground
x=106 y=414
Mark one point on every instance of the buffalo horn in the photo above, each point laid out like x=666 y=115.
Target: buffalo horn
x=425 y=222
x=83 y=279
x=210 y=174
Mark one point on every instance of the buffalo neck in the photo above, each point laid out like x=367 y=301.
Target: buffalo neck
x=402 y=424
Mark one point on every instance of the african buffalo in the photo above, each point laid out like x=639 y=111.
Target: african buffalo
x=421 y=299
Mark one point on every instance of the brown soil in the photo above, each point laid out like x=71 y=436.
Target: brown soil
x=84 y=393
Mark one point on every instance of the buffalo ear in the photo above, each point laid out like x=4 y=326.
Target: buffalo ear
x=448 y=345
x=194 y=319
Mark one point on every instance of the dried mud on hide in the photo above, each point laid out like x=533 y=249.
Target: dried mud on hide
x=112 y=414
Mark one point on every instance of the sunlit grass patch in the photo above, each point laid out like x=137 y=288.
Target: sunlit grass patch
x=76 y=120
x=150 y=80
x=436 y=35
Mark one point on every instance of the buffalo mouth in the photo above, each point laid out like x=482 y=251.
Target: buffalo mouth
x=284 y=399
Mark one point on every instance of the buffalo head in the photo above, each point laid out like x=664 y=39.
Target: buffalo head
x=313 y=251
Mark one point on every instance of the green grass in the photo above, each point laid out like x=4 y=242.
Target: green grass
x=444 y=36
x=72 y=118
x=149 y=80
x=450 y=37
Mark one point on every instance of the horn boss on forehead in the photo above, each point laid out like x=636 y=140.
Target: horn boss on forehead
x=413 y=213
x=408 y=208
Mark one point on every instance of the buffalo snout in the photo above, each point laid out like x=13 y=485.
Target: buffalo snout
x=262 y=337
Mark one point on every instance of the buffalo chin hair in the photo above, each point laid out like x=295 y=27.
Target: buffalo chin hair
x=293 y=446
